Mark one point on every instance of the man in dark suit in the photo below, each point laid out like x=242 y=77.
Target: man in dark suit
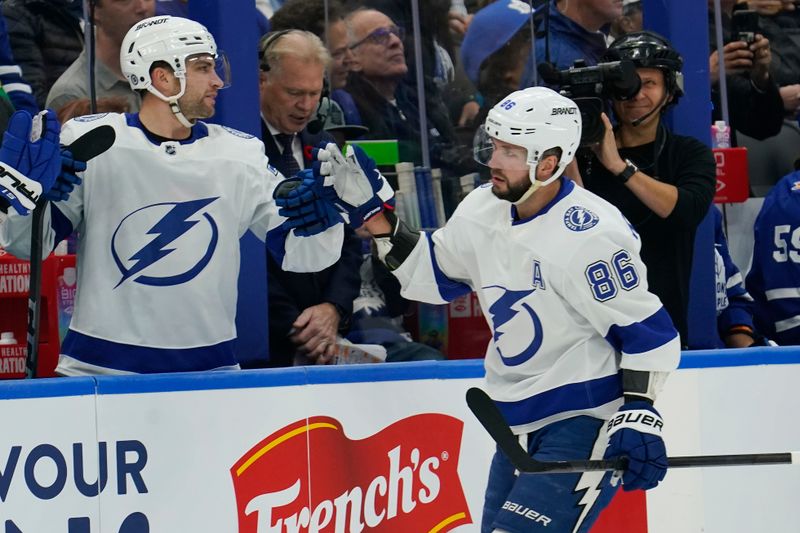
x=306 y=311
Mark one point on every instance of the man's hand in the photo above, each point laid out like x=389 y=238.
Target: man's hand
x=606 y=150
x=301 y=200
x=352 y=182
x=635 y=432
x=30 y=158
x=738 y=60
x=790 y=94
x=314 y=332
x=762 y=57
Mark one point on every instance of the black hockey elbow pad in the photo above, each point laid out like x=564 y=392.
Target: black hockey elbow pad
x=393 y=248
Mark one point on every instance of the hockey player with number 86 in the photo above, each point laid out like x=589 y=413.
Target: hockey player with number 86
x=580 y=348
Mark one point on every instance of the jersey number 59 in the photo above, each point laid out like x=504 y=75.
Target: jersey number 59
x=604 y=278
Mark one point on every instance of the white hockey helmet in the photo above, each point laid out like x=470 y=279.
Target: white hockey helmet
x=171 y=40
x=536 y=119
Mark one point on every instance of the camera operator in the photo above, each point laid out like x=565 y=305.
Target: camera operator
x=663 y=183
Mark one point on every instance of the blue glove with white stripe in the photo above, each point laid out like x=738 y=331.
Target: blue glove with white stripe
x=299 y=200
x=30 y=159
x=635 y=432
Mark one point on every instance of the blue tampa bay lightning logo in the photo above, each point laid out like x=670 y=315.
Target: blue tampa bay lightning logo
x=517 y=328
x=173 y=231
x=579 y=218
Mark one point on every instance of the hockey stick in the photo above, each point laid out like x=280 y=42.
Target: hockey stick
x=485 y=410
x=84 y=148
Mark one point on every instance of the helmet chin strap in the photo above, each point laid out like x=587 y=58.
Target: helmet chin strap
x=536 y=184
x=173 y=103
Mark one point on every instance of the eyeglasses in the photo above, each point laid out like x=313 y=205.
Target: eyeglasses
x=381 y=36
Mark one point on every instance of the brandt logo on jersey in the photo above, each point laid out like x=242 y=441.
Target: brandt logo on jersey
x=143 y=250
x=517 y=328
x=579 y=218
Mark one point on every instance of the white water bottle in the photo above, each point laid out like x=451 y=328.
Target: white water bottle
x=720 y=135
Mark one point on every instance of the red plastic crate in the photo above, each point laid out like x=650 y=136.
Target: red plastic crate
x=14 y=283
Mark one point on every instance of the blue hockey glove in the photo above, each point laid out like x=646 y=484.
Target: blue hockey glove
x=352 y=182
x=299 y=200
x=67 y=180
x=29 y=158
x=635 y=432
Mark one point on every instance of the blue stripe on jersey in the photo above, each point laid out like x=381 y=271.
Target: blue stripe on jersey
x=276 y=242
x=142 y=359
x=640 y=337
x=60 y=223
x=448 y=289
x=199 y=130
x=572 y=397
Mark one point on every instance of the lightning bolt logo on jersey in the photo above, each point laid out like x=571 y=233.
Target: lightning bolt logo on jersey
x=159 y=227
x=526 y=339
x=565 y=294
x=179 y=219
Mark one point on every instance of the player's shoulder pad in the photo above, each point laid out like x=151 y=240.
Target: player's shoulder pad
x=77 y=126
x=90 y=118
x=237 y=133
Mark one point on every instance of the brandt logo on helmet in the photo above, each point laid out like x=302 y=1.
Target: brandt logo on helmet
x=310 y=477
x=564 y=111
x=148 y=23
x=579 y=218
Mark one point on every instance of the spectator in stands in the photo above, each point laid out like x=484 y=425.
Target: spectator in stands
x=663 y=183
x=312 y=15
x=19 y=93
x=754 y=103
x=771 y=158
x=306 y=310
x=46 y=37
x=631 y=20
x=575 y=31
x=387 y=106
x=114 y=94
x=495 y=51
x=774 y=277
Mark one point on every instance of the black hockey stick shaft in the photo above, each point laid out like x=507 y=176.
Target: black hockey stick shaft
x=487 y=413
x=84 y=148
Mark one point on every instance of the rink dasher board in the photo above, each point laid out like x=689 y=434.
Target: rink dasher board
x=193 y=428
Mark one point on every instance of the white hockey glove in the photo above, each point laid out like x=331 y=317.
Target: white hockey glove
x=356 y=186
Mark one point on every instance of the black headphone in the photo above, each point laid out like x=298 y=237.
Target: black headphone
x=269 y=40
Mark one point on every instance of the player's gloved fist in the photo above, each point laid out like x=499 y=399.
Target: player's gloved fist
x=30 y=158
x=352 y=181
x=635 y=432
x=299 y=200
x=67 y=179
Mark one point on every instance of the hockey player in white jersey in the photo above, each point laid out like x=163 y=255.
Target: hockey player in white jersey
x=160 y=215
x=577 y=338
